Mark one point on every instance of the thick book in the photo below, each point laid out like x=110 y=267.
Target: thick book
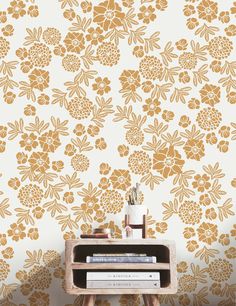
x=121 y=259
x=131 y=276
x=96 y=236
x=123 y=284
x=119 y=254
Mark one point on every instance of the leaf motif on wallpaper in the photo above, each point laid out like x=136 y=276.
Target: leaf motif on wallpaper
x=45 y=178
x=74 y=88
x=38 y=126
x=72 y=182
x=7 y=290
x=129 y=19
x=205 y=254
x=27 y=90
x=81 y=24
x=199 y=274
x=60 y=127
x=183 y=177
x=225 y=211
x=161 y=91
x=115 y=35
x=66 y=221
x=179 y=94
x=228 y=83
x=59 y=97
x=215 y=192
x=214 y=171
x=151 y=180
x=170 y=209
x=181 y=192
x=90 y=191
x=229 y=68
x=205 y=31
x=24 y=216
x=54 y=207
x=200 y=75
x=16 y=128
x=80 y=213
x=88 y=57
x=154 y=145
x=53 y=191
x=3 y=208
x=7 y=83
x=172 y=140
x=7 y=67
x=199 y=299
x=135 y=121
x=129 y=95
x=168 y=74
x=101 y=110
x=150 y=43
x=234 y=131
x=167 y=55
x=26 y=172
x=199 y=51
x=229 y=290
x=135 y=36
x=156 y=128
x=33 y=258
x=34 y=35
x=82 y=144
x=70 y=3
x=123 y=113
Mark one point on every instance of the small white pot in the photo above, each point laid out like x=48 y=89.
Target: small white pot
x=135 y=213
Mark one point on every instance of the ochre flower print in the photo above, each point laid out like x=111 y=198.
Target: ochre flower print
x=210 y=94
x=139 y=162
x=29 y=141
x=40 y=277
x=187 y=283
x=4 y=47
x=16 y=231
x=188 y=60
x=16 y=9
x=190 y=212
x=151 y=107
x=194 y=149
x=147 y=14
x=39 y=79
x=108 y=14
x=207 y=232
x=201 y=182
x=151 y=67
x=51 y=36
x=112 y=201
x=108 y=54
x=39 y=55
x=74 y=42
x=39 y=161
x=71 y=63
x=134 y=136
x=4 y=269
x=39 y=298
x=168 y=161
x=80 y=162
x=80 y=107
x=95 y=35
x=101 y=86
x=130 y=79
x=220 y=47
x=209 y=118
x=30 y=195
x=120 y=179
x=207 y=10
x=220 y=270
x=49 y=141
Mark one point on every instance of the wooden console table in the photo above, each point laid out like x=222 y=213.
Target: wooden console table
x=76 y=266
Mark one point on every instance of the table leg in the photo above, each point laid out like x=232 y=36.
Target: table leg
x=151 y=300
x=89 y=300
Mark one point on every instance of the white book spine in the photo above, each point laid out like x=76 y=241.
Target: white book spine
x=131 y=276
x=123 y=284
x=121 y=259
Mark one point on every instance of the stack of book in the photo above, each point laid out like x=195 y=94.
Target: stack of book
x=127 y=279
x=102 y=233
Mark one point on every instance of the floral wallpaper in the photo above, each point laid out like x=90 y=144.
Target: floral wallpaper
x=96 y=96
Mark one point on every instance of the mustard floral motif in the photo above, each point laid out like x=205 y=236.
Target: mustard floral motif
x=99 y=97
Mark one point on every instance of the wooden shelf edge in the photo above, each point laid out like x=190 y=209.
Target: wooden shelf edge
x=86 y=291
x=120 y=266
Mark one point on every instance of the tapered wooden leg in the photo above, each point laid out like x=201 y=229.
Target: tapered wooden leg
x=89 y=300
x=151 y=300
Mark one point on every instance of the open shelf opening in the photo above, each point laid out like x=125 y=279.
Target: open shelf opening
x=79 y=276
x=80 y=252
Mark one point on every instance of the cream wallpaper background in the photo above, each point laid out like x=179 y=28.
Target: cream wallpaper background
x=96 y=96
